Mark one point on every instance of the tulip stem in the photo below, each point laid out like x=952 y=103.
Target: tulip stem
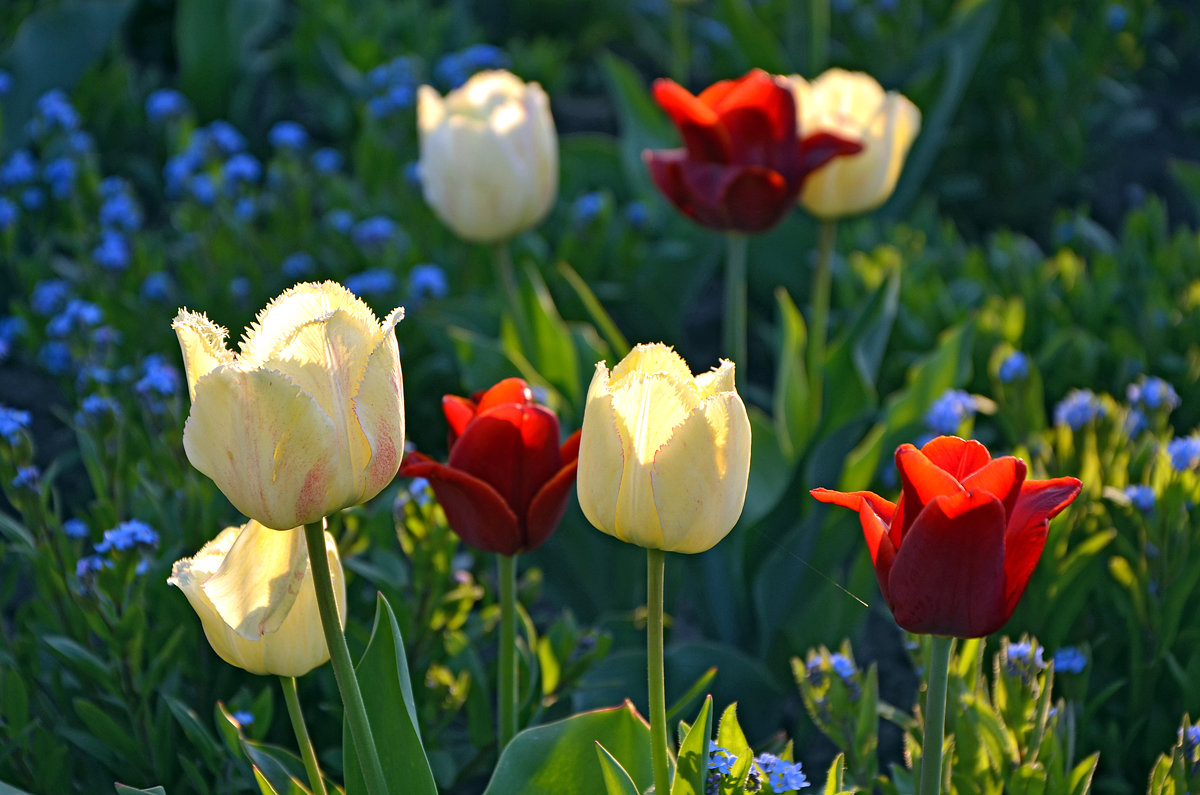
x=508 y=649
x=735 y=299
x=935 y=715
x=339 y=657
x=292 y=699
x=656 y=678
x=819 y=317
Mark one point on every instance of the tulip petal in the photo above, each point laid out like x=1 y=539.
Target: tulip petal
x=759 y=115
x=513 y=448
x=948 y=576
x=459 y=411
x=474 y=510
x=549 y=504
x=743 y=198
x=510 y=390
x=699 y=124
x=266 y=443
x=922 y=481
x=280 y=321
x=652 y=358
x=1001 y=478
x=379 y=408
x=259 y=579
x=1028 y=524
x=819 y=148
x=875 y=515
x=959 y=457
x=699 y=475
x=203 y=345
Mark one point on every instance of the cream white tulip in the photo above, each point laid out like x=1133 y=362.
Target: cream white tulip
x=253 y=590
x=489 y=156
x=856 y=106
x=664 y=457
x=307 y=417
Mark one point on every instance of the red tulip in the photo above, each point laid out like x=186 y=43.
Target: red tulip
x=506 y=485
x=955 y=554
x=743 y=161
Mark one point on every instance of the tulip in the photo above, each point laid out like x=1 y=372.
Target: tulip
x=953 y=557
x=308 y=417
x=489 y=156
x=253 y=590
x=853 y=104
x=743 y=162
x=506 y=484
x=665 y=456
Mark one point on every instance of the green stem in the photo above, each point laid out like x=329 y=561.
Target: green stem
x=339 y=657
x=508 y=648
x=735 y=298
x=819 y=315
x=655 y=568
x=292 y=699
x=680 y=56
x=935 y=715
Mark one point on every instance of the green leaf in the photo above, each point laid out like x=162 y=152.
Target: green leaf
x=616 y=778
x=698 y=687
x=193 y=728
x=729 y=732
x=1081 y=775
x=277 y=765
x=833 y=781
x=771 y=473
x=264 y=786
x=753 y=37
x=692 y=767
x=122 y=789
x=558 y=758
x=101 y=724
x=643 y=124
x=387 y=692
x=795 y=419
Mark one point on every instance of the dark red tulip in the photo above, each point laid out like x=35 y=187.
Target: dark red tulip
x=506 y=485
x=743 y=160
x=955 y=554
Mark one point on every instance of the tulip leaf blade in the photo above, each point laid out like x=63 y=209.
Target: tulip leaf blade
x=643 y=124
x=692 y=767
x=794 y=419
x=122 y=789
x=556 y=758
x=616 y=778
x=383 y=676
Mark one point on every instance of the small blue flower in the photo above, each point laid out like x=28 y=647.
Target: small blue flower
x=1078 y=408
x=1135 y=423
x=298 y=265
x=27 y=479
x=105 y=337
x=373 y=282
x=949 y=411
x=1152 y=394
x=1115 y=17
x=1184 y=452
x=242 y=167
x=1141 y=497
x=55 y=357
x=113 y=253
x=177 y=173
x=33 y=198
x=245 y=208
x=157 y=286
x=372 y=234
x=842 y=666
x=5 y=83
x=81 y=143
x=96 y=407
x=60 y=174
x=165 y=104
x=76 y=528
x=12 y=423
x=243 y=718
x=782 y=776
x=120 y=211
x=637 y=214
x=587 y=208
x=90 y=565
x=340 y=221
x=288 y=135
x=226 y=137
x=159 y=378
x=19 y=169
x=1015 y=367
x=239 y=288
x=9 y=212
x=1069 y=660
x=326 y=160
x=454 y=69
x=76 y=316
x=126 y=536
x=427 y=281
x=412 y=173
x=719 y=759
x=49 y=296
x=1024 y=658
x=203 y=190
x=54 y=112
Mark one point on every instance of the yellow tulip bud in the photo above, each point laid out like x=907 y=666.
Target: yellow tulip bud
x=854 y=105
x=664 y=456
x=308 y=417
x=253 y=590
x=489 y=156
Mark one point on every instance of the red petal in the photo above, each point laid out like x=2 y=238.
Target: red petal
x=475 y=511
x=948 y=578
x=740 y=198
x=922 y=481
x=459 y=411
x=513 y=448
x=959 y=457
x=875 y=514
x=814 y=151
x=510 y=390
x=548 y=506
x=703 y=137
x=1002 y=478
x=759 y=116
x=570 y=448
x=1039 y=502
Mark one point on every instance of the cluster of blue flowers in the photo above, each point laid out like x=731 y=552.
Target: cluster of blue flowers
x=1024 y=659
x=1141 y=497
x=392 y=87
x=1078 y=408
x=215 y=163
x=133 y=535
x=1184 y=452
x=28 y=478
x=13 y=423
x=456 y=68
x=54 y=131
x=1069 y=660
x=1015 y=367
x=166 y=105
x=781 y=776
x=948 y=412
